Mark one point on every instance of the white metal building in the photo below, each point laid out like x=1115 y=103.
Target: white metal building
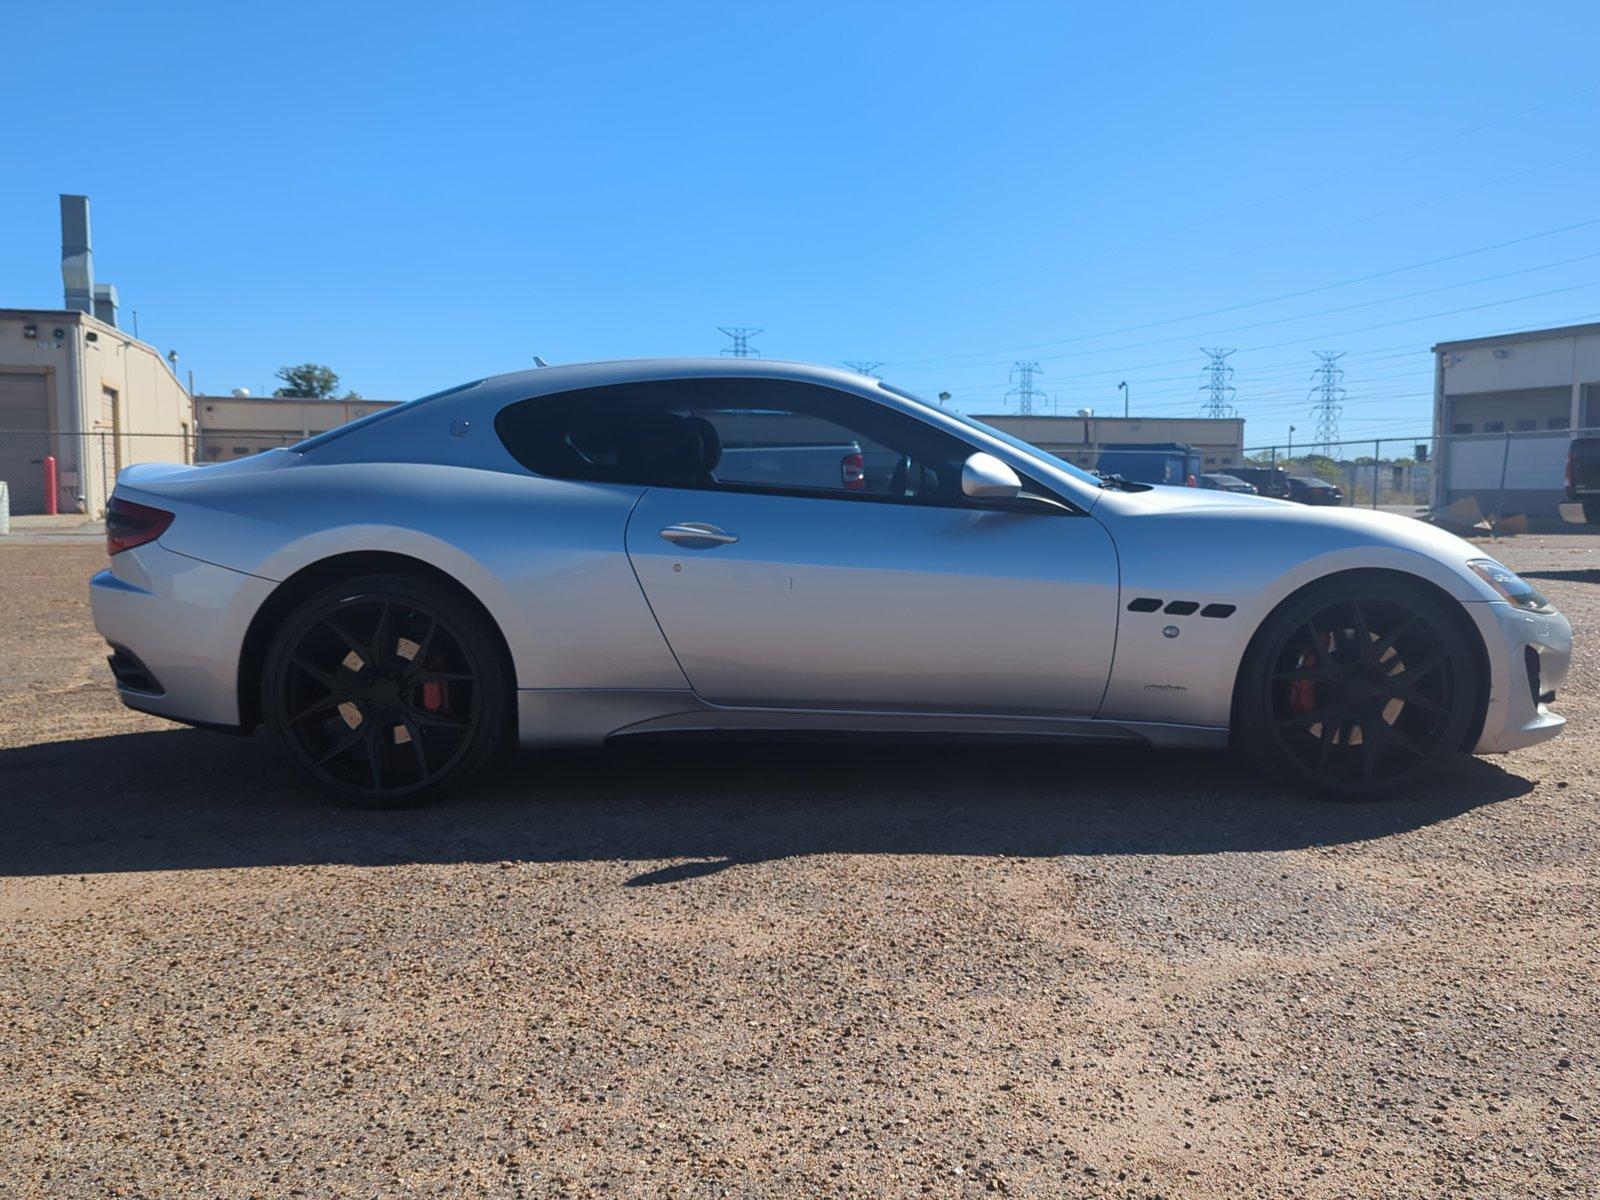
x=1505 y=409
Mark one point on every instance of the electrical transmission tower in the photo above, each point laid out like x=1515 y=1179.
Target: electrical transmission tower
x=1218 y=385
x=864 y=367
x=1022 y=374
x=741 y=335
x=1326 y=397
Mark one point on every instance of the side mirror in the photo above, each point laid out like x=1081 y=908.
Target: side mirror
x=985 y=477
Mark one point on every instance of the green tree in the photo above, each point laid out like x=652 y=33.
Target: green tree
x=310 y=381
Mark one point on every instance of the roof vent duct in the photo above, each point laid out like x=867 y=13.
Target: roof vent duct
x=77 y=260
x=105 y=303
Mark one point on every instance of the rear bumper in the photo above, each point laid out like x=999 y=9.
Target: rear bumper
x=184 y=622
x=1523 y=647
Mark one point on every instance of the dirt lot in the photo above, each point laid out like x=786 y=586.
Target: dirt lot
x=757 y=971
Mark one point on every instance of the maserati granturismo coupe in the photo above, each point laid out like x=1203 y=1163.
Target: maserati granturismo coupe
x=576 y=554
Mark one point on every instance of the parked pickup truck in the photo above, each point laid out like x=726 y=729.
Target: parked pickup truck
x=1583 y=476
x=825 y=466
x=1161 y=462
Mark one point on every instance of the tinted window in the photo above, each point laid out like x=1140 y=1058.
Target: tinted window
x=777 y=435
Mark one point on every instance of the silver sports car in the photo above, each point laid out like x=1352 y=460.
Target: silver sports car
x=575 y=554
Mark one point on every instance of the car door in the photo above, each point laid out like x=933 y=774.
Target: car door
x=887 y=590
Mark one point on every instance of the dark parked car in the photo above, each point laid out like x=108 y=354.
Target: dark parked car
x=1160 y=462
x=1583 y=476
x=1227 y=483
x=1268 y=481
x=1308 y=489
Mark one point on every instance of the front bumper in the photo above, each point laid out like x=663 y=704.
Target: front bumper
x=183 y=621
x=1516 y=716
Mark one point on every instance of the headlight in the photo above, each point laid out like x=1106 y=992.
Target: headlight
x=1514 y=590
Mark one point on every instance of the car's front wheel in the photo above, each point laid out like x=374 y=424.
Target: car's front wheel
x=386 y=689
x=1357 y=687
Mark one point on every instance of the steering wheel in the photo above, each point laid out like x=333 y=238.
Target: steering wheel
x=899 y=481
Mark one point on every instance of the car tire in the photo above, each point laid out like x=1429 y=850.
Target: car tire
x=387 y=690
x=1591 y=511
x=1357 y=687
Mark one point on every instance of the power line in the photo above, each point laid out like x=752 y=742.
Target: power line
x=1218 y=385
x=741 y=335
x=1022 y=373
x=1125 y=369
x=1328 y=395
x=864 y=366
x=1326 y=287
x=1346 y=174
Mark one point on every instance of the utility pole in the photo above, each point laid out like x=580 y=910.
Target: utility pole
x=864 y=367
x=1123 y=388
x=1217 y=385
x=1022 y=374
x=1326 y=398
x=741 y=335
x=1291 y=444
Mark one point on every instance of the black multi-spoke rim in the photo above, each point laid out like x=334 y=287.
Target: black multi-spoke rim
x=1361 y=692
x=379 y=694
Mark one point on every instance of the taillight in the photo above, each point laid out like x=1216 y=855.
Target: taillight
x=1191 y=481
x=853 y=472
x=129 y=524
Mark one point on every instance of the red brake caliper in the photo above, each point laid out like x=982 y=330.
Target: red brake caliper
x=1303 y=692
x=435 y=695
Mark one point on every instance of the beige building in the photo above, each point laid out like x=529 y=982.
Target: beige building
x=1079 y=440
x=80 y=390
x=236 y=426
x=1506 y=408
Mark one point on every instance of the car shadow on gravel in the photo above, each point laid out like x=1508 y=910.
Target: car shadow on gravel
x=186 y=799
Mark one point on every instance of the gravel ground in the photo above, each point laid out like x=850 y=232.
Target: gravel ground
x=783 y=971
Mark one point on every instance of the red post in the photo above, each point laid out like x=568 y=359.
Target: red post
x=50 y=485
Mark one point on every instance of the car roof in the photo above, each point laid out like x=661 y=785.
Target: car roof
x=562 y=376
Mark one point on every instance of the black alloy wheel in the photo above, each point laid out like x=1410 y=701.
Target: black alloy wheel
x=1358 y=688
x=386 y=690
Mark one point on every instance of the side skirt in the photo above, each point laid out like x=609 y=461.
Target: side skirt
x=584 y=717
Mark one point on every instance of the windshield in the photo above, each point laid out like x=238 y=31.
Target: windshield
x=1015 y=443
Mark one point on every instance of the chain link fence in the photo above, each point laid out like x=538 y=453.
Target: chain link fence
x=1482 y=479
x=85 y=465
x=1489 y=478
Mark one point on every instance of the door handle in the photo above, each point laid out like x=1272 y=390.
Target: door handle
x=697 y=535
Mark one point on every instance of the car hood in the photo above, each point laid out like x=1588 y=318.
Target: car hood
x=1231 y=515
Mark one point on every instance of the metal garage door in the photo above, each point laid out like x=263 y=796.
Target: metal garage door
x=24 y=438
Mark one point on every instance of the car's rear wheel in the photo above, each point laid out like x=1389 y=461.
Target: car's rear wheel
x=386 y=690
x=1357 y=688
x=1591 y=511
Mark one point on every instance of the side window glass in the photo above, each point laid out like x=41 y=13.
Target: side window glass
x=766 y=447
x=743 y=434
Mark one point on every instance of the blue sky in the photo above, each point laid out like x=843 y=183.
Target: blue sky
x=418 y=195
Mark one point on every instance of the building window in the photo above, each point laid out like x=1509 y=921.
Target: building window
x=1525 y=425
x=1461 y=427
x=240 y=451
x=1556 y=423
x=1494 y=426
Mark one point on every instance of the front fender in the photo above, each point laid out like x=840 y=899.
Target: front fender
x=1183 y=667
